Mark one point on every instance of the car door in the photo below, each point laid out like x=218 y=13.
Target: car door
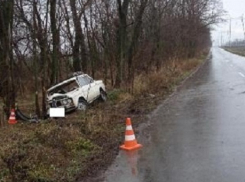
x=93 y=91
x=88 y=87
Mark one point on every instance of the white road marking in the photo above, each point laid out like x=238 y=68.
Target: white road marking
x=242 y=74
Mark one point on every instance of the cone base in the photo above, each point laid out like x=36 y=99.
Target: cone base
x=137 y=146
x=12 y=121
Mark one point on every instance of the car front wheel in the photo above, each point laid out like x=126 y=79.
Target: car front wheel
x=82 y=105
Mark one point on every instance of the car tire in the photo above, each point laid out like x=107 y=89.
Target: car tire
x=82 y=105
x=103 y=95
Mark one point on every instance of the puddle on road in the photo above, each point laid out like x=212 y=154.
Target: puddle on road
x=127 y=171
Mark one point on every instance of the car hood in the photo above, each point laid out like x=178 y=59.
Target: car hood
x=59 y=96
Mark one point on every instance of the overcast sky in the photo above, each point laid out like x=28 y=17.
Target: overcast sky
x=235 y=9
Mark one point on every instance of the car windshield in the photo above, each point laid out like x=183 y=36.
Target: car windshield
x=64 y=88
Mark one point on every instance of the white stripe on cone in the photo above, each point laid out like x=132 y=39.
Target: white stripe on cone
x=129 y=127
x=129 y=137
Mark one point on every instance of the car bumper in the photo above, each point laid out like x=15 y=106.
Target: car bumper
x=67 y=109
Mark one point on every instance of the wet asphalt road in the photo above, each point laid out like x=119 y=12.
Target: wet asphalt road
x=198 y=134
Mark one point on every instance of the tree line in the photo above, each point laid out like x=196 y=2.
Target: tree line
x=41 y=41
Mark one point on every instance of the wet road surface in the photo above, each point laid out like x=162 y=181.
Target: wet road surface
x=198 y=134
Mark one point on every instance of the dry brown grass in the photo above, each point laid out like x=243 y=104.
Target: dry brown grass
x=78 y=146
x=166 y=78
x=236 y=50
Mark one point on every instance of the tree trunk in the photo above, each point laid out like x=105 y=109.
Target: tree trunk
x=35 y=63
x=121 y=40
x=79 y=48
x=134 y=41
x=55 y=36
x=6 y=54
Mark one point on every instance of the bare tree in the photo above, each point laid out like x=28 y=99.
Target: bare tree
x=7 y=85
x=55 y=42
x=121 y=39
x=79 y=48
x=115 y=40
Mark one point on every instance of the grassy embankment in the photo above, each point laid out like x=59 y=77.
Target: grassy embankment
x=82 y=143
x=236 y=50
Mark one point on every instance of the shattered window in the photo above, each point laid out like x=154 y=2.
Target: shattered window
x=64 y=88
x=84 y=80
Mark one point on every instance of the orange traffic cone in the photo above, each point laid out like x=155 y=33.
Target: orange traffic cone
x=12 y=119
x=130 y=142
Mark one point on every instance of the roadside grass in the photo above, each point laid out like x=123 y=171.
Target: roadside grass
x=236 y=50
x=83 y=143
x=166 y=78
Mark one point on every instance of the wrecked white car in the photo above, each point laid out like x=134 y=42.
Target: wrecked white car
x=76 y=93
